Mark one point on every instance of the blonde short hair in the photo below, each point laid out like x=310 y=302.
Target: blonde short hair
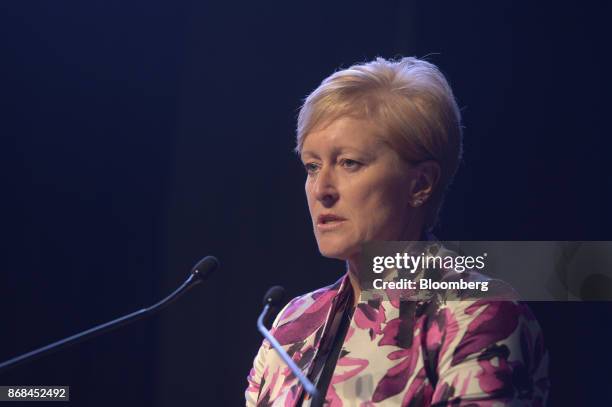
x=412 y=102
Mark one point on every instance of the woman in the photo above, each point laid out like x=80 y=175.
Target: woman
x=381 y=142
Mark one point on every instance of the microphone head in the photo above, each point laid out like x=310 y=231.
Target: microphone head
x=205 y=267
x=274 y=296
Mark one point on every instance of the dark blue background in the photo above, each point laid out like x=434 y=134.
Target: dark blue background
x=139 y=136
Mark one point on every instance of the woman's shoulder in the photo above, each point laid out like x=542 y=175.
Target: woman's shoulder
x=496 y=345
x=305 y=313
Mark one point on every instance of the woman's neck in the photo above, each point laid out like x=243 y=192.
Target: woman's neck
x=353 y=273
x=353 y=265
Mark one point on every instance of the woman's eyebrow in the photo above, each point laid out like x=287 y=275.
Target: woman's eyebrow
x=366 y=152
x=343 y=149
x=369 y=151
x=309 y=154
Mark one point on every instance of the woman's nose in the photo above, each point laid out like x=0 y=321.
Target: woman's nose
x=326 y=190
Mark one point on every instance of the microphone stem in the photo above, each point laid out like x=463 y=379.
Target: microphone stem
x=102 y=328
x=308 y=386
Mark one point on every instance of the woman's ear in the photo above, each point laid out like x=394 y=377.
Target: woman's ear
x=427 y=175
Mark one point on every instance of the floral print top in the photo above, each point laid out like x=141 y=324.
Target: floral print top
x=477 y=352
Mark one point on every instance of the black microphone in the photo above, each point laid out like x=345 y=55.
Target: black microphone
x=201 y=271
x=274 y=297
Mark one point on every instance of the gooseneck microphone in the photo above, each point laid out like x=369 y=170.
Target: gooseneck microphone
x=274 y=297
x=200 y=272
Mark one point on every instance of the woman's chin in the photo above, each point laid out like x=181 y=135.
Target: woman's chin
x=338 y=251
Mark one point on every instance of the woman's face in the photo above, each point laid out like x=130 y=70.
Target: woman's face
x=358 y=188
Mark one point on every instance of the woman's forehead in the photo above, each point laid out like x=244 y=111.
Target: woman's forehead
x=344 y=133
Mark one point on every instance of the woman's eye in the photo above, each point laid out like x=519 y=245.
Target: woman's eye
x=350 y=164
x=311 y=168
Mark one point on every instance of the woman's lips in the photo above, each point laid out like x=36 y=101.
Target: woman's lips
x=329 y=222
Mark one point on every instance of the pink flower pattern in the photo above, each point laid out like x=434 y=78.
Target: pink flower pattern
x=459 y=353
